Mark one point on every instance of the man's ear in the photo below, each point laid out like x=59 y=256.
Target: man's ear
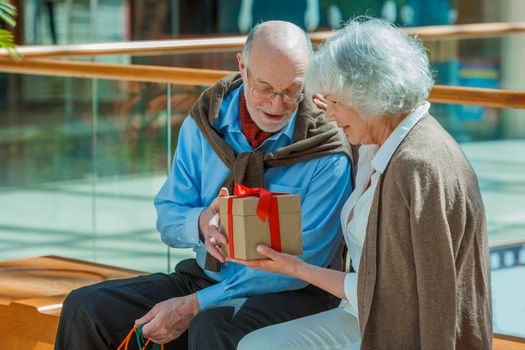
x=242 y=66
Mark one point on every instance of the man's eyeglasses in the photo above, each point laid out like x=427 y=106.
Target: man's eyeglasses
x=266 y=94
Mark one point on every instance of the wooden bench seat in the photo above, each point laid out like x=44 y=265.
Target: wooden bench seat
x=32 y=291
x=31 y=294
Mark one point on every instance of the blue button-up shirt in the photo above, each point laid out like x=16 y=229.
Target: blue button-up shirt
x=323 y=183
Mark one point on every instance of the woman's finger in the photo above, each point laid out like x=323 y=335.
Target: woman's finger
x=320 y=101
x=322 y=106
x=267 y=251
x=254 y=263
x=320 y=98
x=240 y=261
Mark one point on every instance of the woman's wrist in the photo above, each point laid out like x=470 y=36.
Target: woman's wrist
x=300 y=269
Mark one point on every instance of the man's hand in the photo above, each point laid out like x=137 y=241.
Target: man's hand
x=276 y=262
x=209 y=230
x=169 y=319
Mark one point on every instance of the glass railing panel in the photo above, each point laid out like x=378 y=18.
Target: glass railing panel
x=81 y=161
x=181 y=99
x=45 y=159
x=133 y=148
x=486 y=62
x=130 y=164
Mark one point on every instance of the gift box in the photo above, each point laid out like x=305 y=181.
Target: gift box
x=255 y=216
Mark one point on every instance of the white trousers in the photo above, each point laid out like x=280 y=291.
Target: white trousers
x=332 y=329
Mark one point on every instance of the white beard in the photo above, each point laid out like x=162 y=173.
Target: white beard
x=266 y=124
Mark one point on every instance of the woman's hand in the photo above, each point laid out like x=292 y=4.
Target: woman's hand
x=277 y=262
x=333 y=281
x=320 y=101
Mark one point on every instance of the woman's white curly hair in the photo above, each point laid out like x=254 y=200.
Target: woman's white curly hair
x=374 y=66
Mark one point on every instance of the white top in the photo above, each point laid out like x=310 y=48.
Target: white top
x=354 y=216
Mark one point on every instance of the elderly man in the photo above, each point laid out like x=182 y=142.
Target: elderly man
x=256 y=129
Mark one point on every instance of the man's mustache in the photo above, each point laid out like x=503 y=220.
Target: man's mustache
x=285 y=113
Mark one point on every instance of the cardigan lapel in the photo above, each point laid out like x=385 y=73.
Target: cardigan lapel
x=368 y=265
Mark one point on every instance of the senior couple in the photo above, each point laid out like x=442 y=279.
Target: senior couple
x=408 y=208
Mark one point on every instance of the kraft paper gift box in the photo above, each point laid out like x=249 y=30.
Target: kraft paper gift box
x=241 y=220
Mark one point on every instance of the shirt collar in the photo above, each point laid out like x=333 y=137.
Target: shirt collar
x=385 y=152
x=229 y=116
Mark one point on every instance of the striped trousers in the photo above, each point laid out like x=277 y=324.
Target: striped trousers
x=99 y=316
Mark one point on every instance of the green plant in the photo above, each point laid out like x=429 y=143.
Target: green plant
x=7 y=19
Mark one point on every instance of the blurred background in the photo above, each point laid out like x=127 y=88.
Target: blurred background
x=81 y=159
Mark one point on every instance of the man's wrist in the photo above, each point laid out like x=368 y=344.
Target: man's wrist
x=203 y=221
x=201 y=235
x=212 y=295
x=191 y=224
x=195 y=306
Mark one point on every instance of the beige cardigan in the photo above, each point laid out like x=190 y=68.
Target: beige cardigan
x=424 y=277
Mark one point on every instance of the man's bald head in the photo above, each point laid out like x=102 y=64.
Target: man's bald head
x=277 y=38
x=272 y=66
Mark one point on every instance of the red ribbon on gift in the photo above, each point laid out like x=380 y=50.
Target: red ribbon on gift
x=268 y=207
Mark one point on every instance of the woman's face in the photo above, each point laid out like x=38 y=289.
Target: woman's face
x=353 y=124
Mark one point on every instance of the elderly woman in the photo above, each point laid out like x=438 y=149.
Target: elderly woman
x=415 y=224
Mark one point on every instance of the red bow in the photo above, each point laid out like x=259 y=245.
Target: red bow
x=267 y=207
x=265 y=198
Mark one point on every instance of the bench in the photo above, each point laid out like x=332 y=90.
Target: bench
x=31 y=294
x=32 y=291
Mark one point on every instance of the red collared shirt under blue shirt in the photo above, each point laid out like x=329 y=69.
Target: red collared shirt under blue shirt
x=197 y=174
